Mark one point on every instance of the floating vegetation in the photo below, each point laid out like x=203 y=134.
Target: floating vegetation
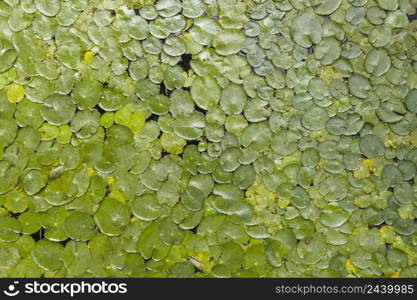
x=204 y=138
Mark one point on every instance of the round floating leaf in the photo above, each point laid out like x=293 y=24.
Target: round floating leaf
x=192 y=8
x=334 y=187
x=377 y=62
x=372 y=146
x=311 y=250
x=28 y=138
x=411 y=101
x=325 y=7
x=9 y=229
x=7 y=59
x=15 y=93
x=159 y=104
x=76 y=258
x=8 y=131
x=333 y=216
x=205 y=91
x=388 y=5
x=172 y=143
x=139 y=69
x=306 y=29
x=80 y=226
x=408 y=169
x=204 y=29
x=9 y=256
x=380 y=36
x=170 y=233
x=318 y=88
x=397 y=259
x=85 y=123
x=228 y=41
x=174 y=46
x=285 y=142
x=87 y=93
x=404 y=226
x=49 y=8
x=150 y=244
x=19 y=20
x=58 y=109
x=359 y=86
x=29 y=114
x=47 y=255
x=9 y=176
x=404 y=193
x=16 y=201
x=327 y=51
x=30 y=222
x=146 y=207
x=103 y=17
x=392 y=175
x=183 y=132
x=111 y=217
x=315 y=118
x=182 y=270
x=138 y=28
x=233 y=99
x=310 y=158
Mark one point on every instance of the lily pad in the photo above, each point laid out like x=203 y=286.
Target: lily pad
x=372 y=146
x=80 y=226
x=58 y=110
x=47 y=255
x=146 y=207
x=48 y=8
x=306 y=30
x=112 y=217
x=205 y=91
